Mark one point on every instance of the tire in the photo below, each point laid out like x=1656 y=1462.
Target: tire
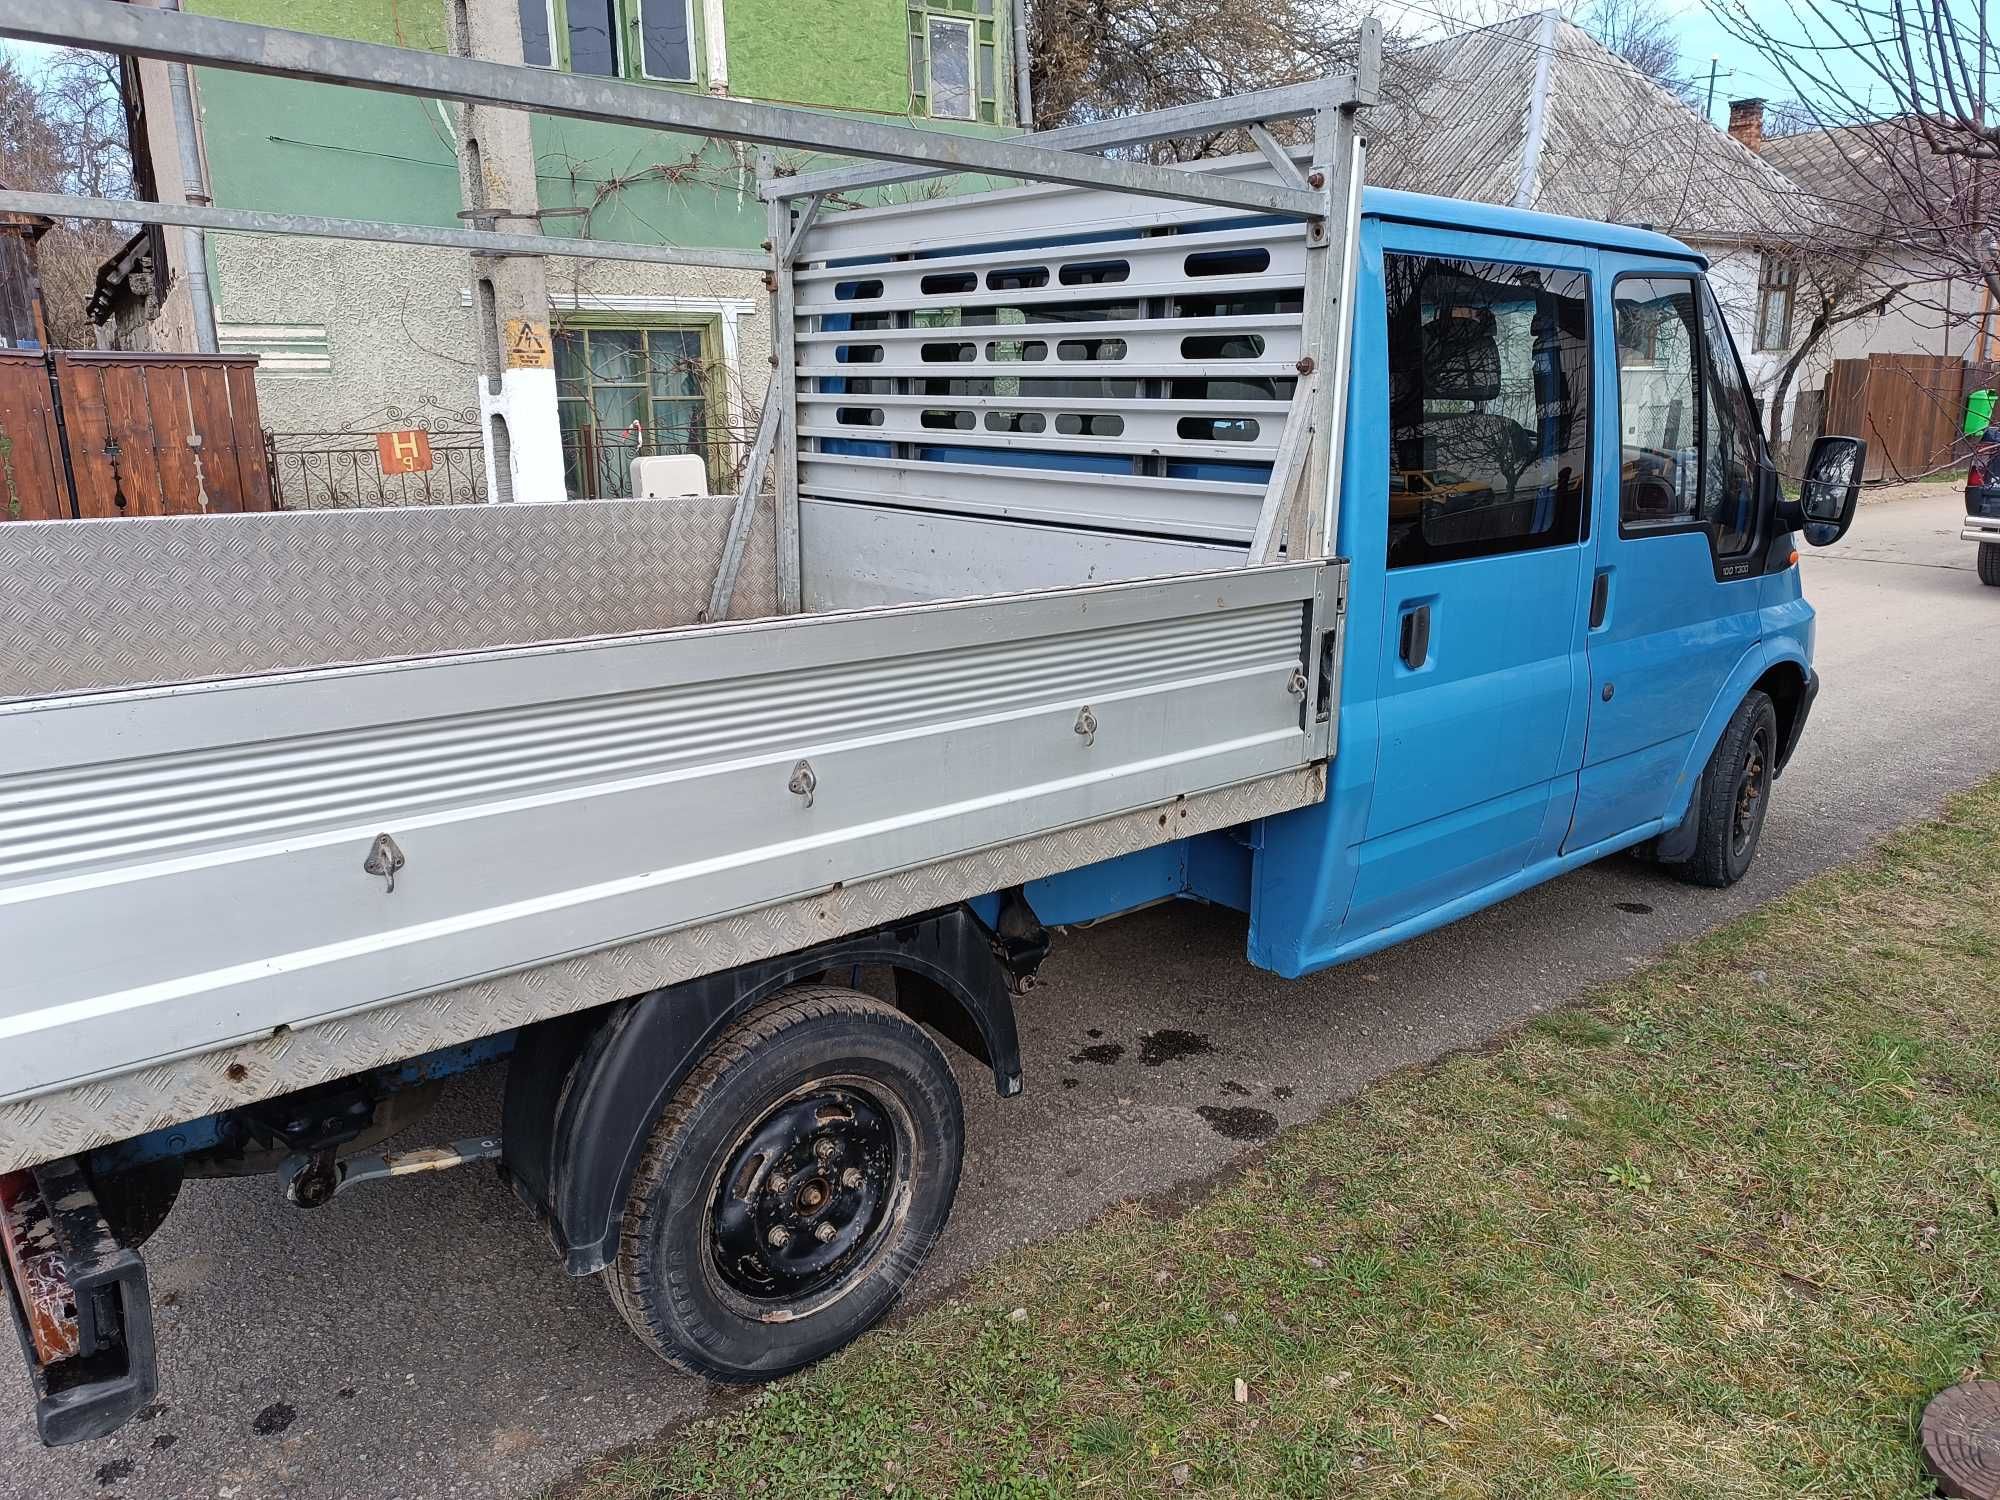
x=1989 y=563
x=823 y=1115
x=1735 y=795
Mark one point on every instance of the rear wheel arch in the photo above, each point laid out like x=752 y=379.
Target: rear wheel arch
x=585 y=1091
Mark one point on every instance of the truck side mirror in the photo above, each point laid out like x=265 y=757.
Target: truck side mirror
x=1828 y=492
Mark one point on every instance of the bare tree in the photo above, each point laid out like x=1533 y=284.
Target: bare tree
x=62 y=130
x=1641 y=32
x=1091 y=58
x=1837 y=285
x=1909 y=85
x=81 y=97
x=31 y=152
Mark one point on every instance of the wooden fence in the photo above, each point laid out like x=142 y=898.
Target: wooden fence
x=115 y=434
x=1910 y=408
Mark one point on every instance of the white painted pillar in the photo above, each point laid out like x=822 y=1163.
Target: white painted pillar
x=510 y=294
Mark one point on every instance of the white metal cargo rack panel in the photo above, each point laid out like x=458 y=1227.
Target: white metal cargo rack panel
x=1055 y=356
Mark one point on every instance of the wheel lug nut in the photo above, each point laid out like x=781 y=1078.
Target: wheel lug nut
x=779 y=1235
x=825 y=1150
x=851 y=1178
x=777 y=1183
x=823 y=1232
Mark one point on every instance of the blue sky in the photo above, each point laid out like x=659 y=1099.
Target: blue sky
x=28 y=54
x=1747 y=74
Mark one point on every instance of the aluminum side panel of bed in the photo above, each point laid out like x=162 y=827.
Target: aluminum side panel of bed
x=182 y=868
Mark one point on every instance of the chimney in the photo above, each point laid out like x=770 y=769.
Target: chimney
x=1746 y=122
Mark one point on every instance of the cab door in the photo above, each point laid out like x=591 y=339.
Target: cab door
x=1480 y=687
x=1674 y=592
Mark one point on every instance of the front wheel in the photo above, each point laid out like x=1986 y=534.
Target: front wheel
x=1989 y=563
x=1735 y=795
x=791 y=1189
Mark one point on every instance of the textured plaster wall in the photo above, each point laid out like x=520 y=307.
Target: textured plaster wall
x=398 y=331
x=396 y=324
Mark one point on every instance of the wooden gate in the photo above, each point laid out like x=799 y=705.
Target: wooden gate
x=32 y=487
x=131 y=435
x=1909 y=407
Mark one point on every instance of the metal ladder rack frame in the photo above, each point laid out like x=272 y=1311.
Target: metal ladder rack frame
x=1325 y=198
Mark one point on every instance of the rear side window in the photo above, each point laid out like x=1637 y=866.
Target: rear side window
x=1489 y=407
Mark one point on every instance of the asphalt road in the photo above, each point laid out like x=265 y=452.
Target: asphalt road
x=418 y=1339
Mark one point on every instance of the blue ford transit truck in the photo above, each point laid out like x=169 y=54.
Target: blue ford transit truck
x=1113 y=533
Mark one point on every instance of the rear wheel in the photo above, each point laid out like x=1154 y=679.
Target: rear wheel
x=1989 y=563
x=791 y=1189
x=1735 y=795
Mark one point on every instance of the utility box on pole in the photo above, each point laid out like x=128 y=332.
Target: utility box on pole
x=510 y=294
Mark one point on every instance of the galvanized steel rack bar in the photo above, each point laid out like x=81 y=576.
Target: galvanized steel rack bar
x=313 y=226
x=178 y=36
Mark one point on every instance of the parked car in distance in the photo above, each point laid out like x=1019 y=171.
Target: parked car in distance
x=1982 y=506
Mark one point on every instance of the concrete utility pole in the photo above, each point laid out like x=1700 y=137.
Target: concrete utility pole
x=510 y=294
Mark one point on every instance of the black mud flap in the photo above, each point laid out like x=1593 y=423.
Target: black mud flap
x=79 y=1302
x=1799 y=717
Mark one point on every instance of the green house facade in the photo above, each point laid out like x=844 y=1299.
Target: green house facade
x=354 y=337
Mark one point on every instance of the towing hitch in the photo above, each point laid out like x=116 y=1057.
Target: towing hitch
x=79 y=1302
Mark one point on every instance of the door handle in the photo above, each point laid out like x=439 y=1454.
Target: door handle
x=1600 y=599
x=1415 y=645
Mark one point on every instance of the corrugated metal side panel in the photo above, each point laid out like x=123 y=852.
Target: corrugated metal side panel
x=101 y=604
x=258 y=1066
x=184 y=866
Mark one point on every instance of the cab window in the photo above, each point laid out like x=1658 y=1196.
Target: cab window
x=1659 y=401
x=1729 y=443
x=1687 y=432
x=1489 y=407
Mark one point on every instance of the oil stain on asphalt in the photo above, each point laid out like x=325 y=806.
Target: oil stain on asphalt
x=1170 y=1045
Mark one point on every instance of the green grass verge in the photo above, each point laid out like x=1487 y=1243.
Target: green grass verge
x=1721 y=1231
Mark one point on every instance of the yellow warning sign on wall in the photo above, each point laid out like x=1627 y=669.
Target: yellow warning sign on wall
x=528 y=345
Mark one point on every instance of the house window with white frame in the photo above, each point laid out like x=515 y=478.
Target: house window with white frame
x=1776 y=277
x=645 y=39
x=955 y=60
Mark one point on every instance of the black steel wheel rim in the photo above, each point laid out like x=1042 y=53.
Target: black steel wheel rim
x=1750 y=788
x=803 y=1199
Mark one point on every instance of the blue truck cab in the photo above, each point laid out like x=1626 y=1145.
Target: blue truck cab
x=1574 y=615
